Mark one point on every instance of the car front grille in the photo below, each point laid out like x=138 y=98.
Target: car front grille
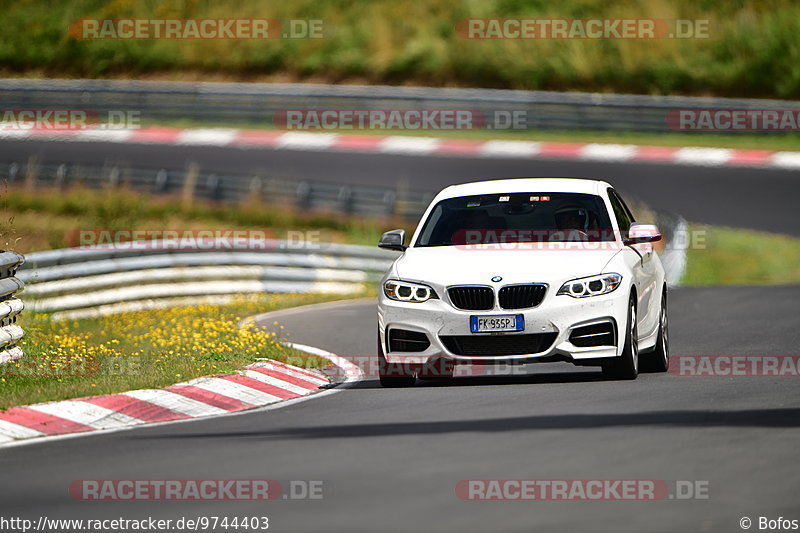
x=521 y=296
x=472 y=298
x=494 y=345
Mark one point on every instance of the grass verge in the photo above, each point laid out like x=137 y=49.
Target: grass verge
x=143 y=349
x=44 y=218
x=742 y=257
x=751 y=48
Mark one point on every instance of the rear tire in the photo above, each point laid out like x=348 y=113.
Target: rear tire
x=626 y=366
x=393 y=375
x=658 y=360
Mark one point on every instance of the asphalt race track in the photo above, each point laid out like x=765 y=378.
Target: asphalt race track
x=764 y=199
x=389 y=459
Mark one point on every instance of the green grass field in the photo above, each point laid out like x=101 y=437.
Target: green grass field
x=752 y=49
x=68 y=359
x=44 y=218
x=143 y=349
x=730 y=256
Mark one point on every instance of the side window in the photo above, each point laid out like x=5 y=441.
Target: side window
x=425 y=236
x=620 y=211
x=624 y=205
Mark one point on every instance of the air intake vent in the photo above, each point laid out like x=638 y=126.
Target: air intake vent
x=472 y=298
x=594 y=335
x=521 y=296
x=403 y=340
x=494 y=345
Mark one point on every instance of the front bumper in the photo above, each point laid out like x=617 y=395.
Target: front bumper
x=556 y=314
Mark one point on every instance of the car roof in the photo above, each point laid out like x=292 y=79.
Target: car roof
x=576 y=185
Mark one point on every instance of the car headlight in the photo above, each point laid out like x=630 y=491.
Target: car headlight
x=404 y=291
x=591 y=286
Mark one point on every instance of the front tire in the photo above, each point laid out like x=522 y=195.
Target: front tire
x=393 y=375
x=658 y=360
x=626 y=366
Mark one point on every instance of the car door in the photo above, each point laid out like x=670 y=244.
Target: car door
x=644 y=271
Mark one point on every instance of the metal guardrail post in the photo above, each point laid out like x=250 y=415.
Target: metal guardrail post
x=390 y=201
x=61 y=176
x=303 y=195
x=213 y=187
x=13 y=171
x=31 y=174
x=162 y=181
x=189 y=184
x=346 y=200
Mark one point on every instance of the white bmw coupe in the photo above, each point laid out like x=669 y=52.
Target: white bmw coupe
x=523 y=270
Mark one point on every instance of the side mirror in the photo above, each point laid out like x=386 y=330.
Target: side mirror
x=642 y=233
x=393 y=240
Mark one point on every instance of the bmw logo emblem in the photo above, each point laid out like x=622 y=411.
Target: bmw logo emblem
x=497 y=279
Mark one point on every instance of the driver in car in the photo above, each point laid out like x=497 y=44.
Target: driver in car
x=573 y=223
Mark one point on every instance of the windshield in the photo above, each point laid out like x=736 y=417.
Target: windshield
x=517 y=217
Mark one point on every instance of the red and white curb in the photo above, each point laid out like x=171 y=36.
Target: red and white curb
x=259 y=385
x=419 y=146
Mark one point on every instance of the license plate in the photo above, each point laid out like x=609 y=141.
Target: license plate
x=489 y=323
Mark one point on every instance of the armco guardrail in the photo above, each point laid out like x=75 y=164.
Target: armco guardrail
x=10 y=306
x=75 y=283
x=78 y=283
x=251 y=103
x=228 y=187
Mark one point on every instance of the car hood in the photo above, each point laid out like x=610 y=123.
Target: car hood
x=452 y=265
